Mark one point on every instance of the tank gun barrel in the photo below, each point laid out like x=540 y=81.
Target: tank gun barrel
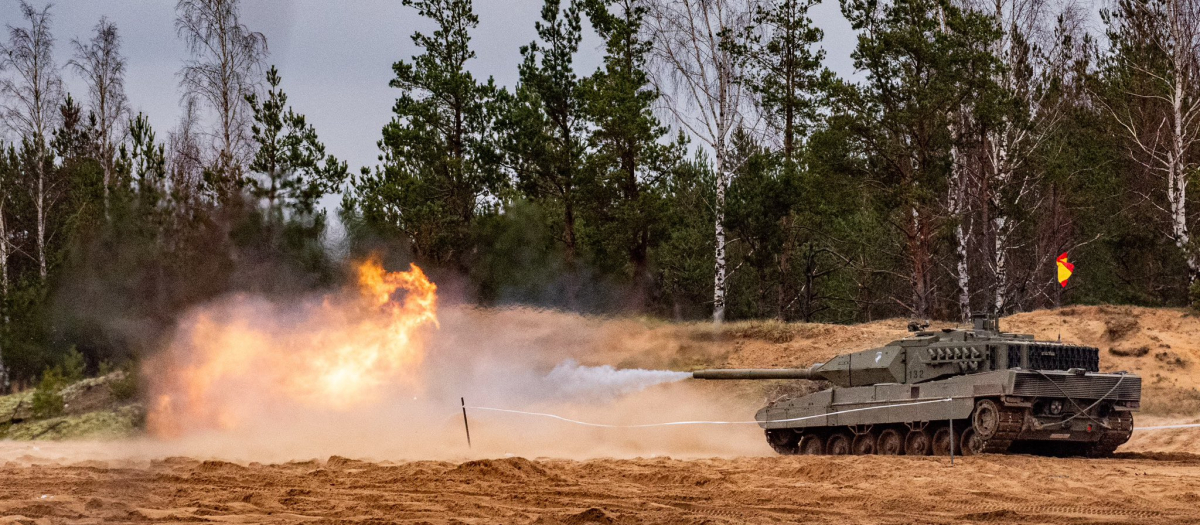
x=756 y=373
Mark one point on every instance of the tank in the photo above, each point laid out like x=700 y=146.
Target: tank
x=970 y=391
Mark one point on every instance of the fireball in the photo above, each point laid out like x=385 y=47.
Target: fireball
x=239 y=357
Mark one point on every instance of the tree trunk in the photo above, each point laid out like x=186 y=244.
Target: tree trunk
x=40 y=205
x=784 y=259
x=3 y=294
x=1177 y=174
x=719 y=267
x=957 y=204
x=3 y=373
x=919 y=253
x=1000 y=262
x=3 y=252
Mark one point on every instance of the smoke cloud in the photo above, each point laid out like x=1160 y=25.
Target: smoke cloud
x=572 y=381
x=515 y=358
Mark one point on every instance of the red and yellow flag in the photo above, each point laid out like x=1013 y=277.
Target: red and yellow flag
x=1065 y=269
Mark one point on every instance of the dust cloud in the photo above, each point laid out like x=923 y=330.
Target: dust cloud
x=518 y=359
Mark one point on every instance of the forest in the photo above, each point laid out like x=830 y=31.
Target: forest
x=712 y=168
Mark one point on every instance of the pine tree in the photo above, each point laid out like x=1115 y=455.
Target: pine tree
x=146 y=162
x=627 y=158
x=921 y=58
x=782 y=66
x=294 y=171
x=1150 y=75
x=439 y=166
x=545 y=124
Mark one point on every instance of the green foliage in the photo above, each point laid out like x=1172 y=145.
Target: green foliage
x=629 y=161
x=294 y=171
x=47 y=399
x=126 y=387
x=543 y=125
x=439 y=164
x=781 y=65
x=73 y=366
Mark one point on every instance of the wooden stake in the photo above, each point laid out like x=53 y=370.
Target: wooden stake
x=465 y=424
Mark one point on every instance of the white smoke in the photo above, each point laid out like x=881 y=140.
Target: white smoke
x=572 y=381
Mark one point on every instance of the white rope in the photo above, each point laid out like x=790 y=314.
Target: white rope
x=678 y=423
x=1167 y=427
x=789 y=420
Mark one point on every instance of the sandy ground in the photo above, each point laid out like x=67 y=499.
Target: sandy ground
x=692 y=475
x=1134 y=488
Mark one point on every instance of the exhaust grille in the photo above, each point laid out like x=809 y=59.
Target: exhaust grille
x=1078 y=387
x=1055 y=357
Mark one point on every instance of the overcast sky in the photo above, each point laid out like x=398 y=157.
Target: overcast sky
x=335 y=61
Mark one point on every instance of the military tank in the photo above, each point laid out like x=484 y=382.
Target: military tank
x=966 y=391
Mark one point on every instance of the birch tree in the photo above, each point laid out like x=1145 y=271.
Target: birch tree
x=8 y=168
x=185 y=162
x=102 y=67
x=921 y=59
x=1023 y=114
x=10 y=165
x=32 y=89
x=1155 y=63
x=696 y=72
x=225 y=65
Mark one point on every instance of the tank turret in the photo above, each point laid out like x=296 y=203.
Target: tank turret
x=1003 y=390
x=932 y=355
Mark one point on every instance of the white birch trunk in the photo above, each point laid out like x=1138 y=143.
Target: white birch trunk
x=963 y=274
x=3 y=252
x=1177 y=169
x=719 y=267
x=956 y=201
x=1000 y=261
x=696 y=76
x=40 y=206
x=3 y=289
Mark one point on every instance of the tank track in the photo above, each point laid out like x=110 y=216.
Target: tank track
x=1011 y=423
x=1117 y=435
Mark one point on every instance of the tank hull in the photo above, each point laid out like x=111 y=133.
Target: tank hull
x=1055 y=412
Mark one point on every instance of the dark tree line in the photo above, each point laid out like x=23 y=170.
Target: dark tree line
x=710 y=167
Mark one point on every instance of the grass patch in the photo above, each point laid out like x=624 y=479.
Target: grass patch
x=116 y=423
x=9 y=404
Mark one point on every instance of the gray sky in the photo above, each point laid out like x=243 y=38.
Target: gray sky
x=335 y=61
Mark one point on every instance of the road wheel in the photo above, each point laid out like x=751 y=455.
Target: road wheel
x=838 y=444
x=783 y=440
x=864 y=444
x=890 y=443
x=971 y=443
x=917 y=443
x=812 y=445
x=986 y=419
x=941 y=442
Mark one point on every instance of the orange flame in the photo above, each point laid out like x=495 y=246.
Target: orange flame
x=337 y=353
